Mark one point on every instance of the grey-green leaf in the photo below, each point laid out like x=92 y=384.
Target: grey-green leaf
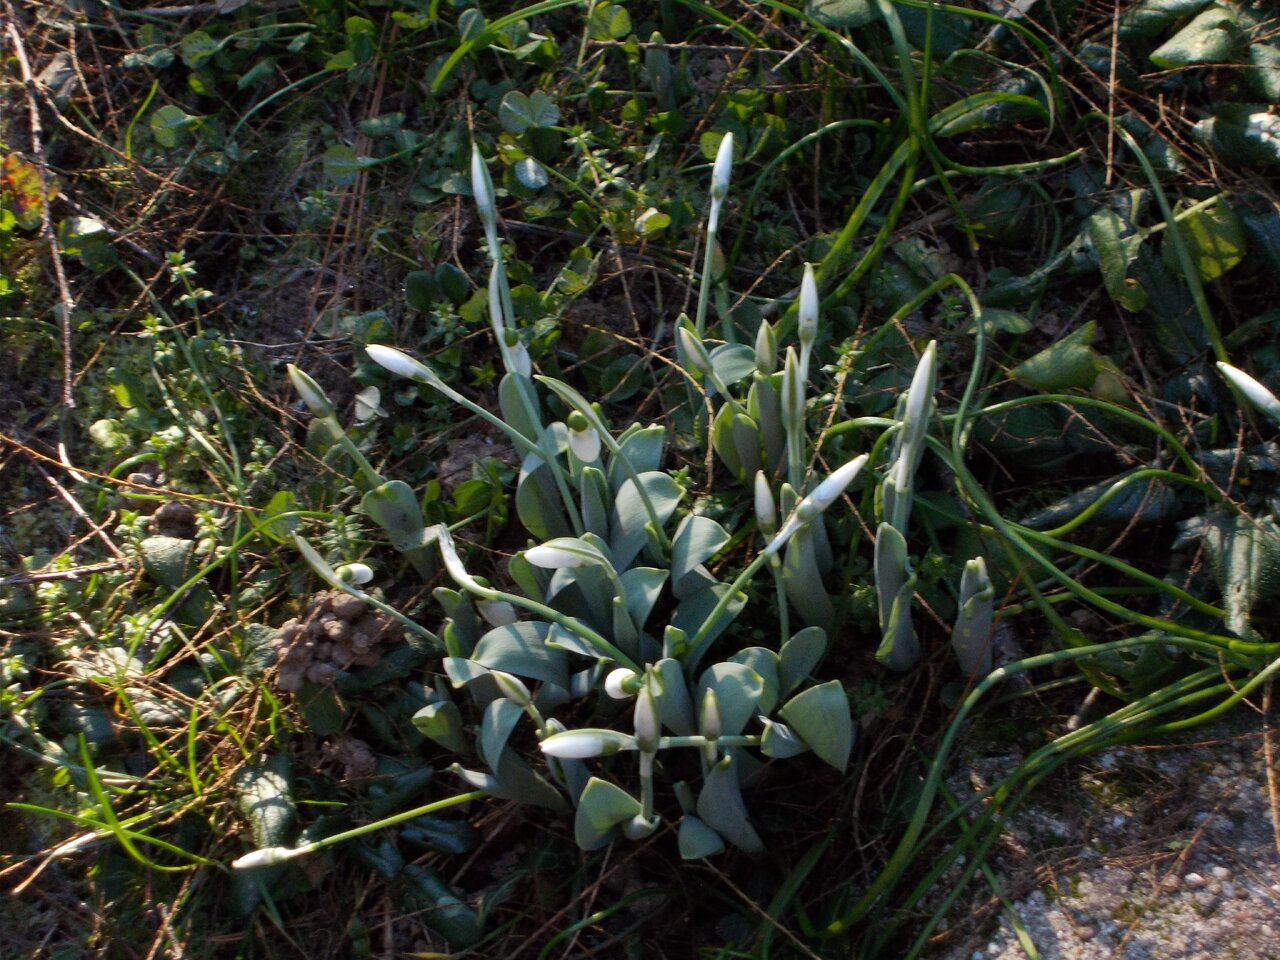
x=601 y=809
x=799 y=656
x=820 y=717
x=519 y=648
x=720 y=806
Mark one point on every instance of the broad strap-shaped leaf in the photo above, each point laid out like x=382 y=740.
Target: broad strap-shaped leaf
x=720 y=806
x=675 y=707
x=733 y=362
x=765 y=407
x=442 y=722
x=895 y=587
x=643 y=587
x=602 y=809
x=697 y=539
x=802 y=579
x=538 y=501
x=514 y=780
x=820 y=717
x=595 y=498
x=630 y=516
x=520 y=648
x=764 y=663
x=641 y=447
x=696 y=840
x=971 y=636
x=500 y=718
x=739 y=690
x=722 y=441
x=1245 y=556
x=799 y=656
x=394 y=507
x=694 y=612
x=780 y=741
x=512 y=403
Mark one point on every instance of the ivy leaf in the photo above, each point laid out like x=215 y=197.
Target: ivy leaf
x=1206 y=39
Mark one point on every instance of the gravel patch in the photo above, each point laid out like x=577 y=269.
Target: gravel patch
x=1162 y=852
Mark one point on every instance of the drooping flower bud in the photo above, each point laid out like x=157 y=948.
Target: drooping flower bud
x=401 y=364
x=356 y=574
x=562 y=553
x=586 y=743
x=622 y=683
x=1254 y=392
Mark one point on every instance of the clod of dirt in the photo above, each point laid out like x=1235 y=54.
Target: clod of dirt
x=174 y=519
x=336 y=632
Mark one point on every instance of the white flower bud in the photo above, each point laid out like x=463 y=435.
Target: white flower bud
x=766 y=349
x=512 y=687
x=453 y=563
x=482 y=188
x=401 y=364
x=356 y=574
x=1255 y=392
x=692 y=349
x=563 y=553
x=720 y=173
x=645 y=720
x=825 y=494
x=808 y=314
x=267 y=857
x=766 y=508
x=315 y=399
x=723 y=168
x=582 y=744
x=620 y=683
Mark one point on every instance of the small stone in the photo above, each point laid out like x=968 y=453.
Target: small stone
x=1194 y=881
x=1086 y=932
x=1241 y=892
x=1170 y=884
x=1222 y=873
x=1228 y=890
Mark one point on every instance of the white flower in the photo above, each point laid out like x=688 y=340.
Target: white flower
x=310 y=393
x=823 y=496
x=401 y=364
x=581 y=744
x=1257 y=394
x=585 y=443
x=792 y=399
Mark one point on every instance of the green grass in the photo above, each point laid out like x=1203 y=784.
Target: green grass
x=288 y=184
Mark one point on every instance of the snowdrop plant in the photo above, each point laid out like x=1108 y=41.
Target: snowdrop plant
x=616 y=604
x=894 y=575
